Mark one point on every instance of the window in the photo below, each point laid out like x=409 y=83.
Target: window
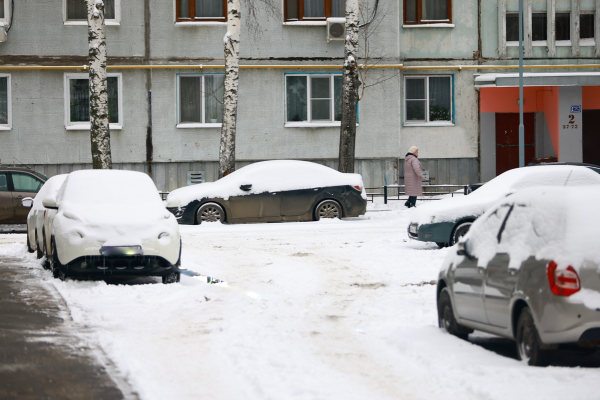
x=25 y=182
x=75 y=12
x=5 y=108
x=539 y=27
x=427 y=11
x=77 y=101
x=314 y=99
x=428 y=99
x=201 y=10
x=586 y=26
x=2 y=11
x=315 y=10
x=3 y=182
x=200 y=99
x=563 y=26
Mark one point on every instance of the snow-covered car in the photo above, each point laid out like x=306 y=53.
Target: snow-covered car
x=528 y=270
x=111 y=223
x=270 y=191
x=35 y=218
x=445 y=221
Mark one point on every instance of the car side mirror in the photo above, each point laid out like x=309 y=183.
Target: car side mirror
x=173 y=203
x=463 y=249
x=50 y=202
x=27 y=202
x=246 y=188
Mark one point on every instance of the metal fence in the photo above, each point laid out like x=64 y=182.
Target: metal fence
x=385 y=192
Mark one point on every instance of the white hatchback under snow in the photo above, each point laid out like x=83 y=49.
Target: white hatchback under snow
x=110 y=223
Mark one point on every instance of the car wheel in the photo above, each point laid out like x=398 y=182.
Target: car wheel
x=38 y=249
x=173 y=277
x=29 y=249
x=328 y=209
x=446 y=319
x=529 y=345
x=46 y=263
x=55 y=264
x=210 y=212
x=460 y=231
x=441 y=245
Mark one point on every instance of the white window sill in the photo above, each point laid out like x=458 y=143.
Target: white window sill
x=305 y=23
x=191 y=126
x=563 y=43
x=409 y=124
x=587 y=42
x=538 y=43
x=5 y=128
x=79 y=23
x=86 y=127
x=201 y=23
x=440 y=25
x=305 y=124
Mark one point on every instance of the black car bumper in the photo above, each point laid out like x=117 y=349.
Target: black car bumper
x=119 y=266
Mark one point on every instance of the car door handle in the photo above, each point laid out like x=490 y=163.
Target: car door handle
x=19 y=197
x=480 y=270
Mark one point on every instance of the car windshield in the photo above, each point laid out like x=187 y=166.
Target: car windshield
x=90 y=188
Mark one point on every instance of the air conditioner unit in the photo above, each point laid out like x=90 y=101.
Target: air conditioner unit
x=336 y=29
x=3 y=34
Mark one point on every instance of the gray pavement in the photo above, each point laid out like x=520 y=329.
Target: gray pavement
x=39 y=357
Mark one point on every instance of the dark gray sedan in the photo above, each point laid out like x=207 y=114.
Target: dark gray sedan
x=528 y=270
x=271 y=191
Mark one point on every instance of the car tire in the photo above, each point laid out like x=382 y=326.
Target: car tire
x=38 y=249
x=29 y=249
x=446 y=319
x=529 y=345
x=441 y=245
x=173 y=277
x=459 y=231
x=210 y=212
x=328 y=209
x=55 y=265
x=46 y=263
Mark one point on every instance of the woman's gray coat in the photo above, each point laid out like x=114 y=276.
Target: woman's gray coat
x=413 y=175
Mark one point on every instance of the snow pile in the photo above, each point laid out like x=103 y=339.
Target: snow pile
x=269 y=176
x=550 y=223
x=480 y=200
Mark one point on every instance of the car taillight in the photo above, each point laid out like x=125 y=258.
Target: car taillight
x=564 y=282
x=357 y=188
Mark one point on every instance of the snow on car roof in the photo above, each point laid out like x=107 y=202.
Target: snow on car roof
x=265 y=176
x=550 y=223
x=510 y=181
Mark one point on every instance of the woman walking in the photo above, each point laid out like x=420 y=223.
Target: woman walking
x=413 y=176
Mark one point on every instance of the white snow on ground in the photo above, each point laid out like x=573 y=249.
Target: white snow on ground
x=311 y=310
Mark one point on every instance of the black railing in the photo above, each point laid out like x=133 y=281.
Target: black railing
x=426 y=194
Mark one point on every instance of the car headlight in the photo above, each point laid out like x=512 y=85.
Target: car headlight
x=413 y=228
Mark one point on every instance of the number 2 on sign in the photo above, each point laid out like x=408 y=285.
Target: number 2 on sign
x=571 y=119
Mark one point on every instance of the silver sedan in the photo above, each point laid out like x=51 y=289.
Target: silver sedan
x=528 y=270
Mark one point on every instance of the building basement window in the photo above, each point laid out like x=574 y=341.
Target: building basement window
x=77 y=101
x=428 y=99
x=201 y=10
x=314 y=10
x=313 y=99
x=200 y=99
x=76 y=12
x=427 y=12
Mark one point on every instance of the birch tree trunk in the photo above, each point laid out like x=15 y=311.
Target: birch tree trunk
x=231 y=42
x=349 y=90
x=99 y=129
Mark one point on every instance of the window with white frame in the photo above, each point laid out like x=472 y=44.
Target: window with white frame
x=3 y=11
x=5 y=106
x=586 y=27
x=201 y=10
x=311 y=10
x=313 y=98
x=539 y=27
x=76 y=13
x=428 y=99
x=419 y=12
x=200 y=99
x=77 y=101
x=563 y=26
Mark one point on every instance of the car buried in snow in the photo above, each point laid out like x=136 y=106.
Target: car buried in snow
x=110 y=223
x=528 y=270
x=272 y=191
x=445 y=221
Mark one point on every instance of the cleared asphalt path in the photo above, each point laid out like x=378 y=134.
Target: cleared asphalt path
x=39 y=358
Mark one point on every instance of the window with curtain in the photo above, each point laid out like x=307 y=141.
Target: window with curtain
x=4 y=100
x=301 y=10
x=315 y=98
x=201 y=10
x=76 y=10
x=427 y=99
x=427 y=12
x=78 y=95
x=200 y=99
